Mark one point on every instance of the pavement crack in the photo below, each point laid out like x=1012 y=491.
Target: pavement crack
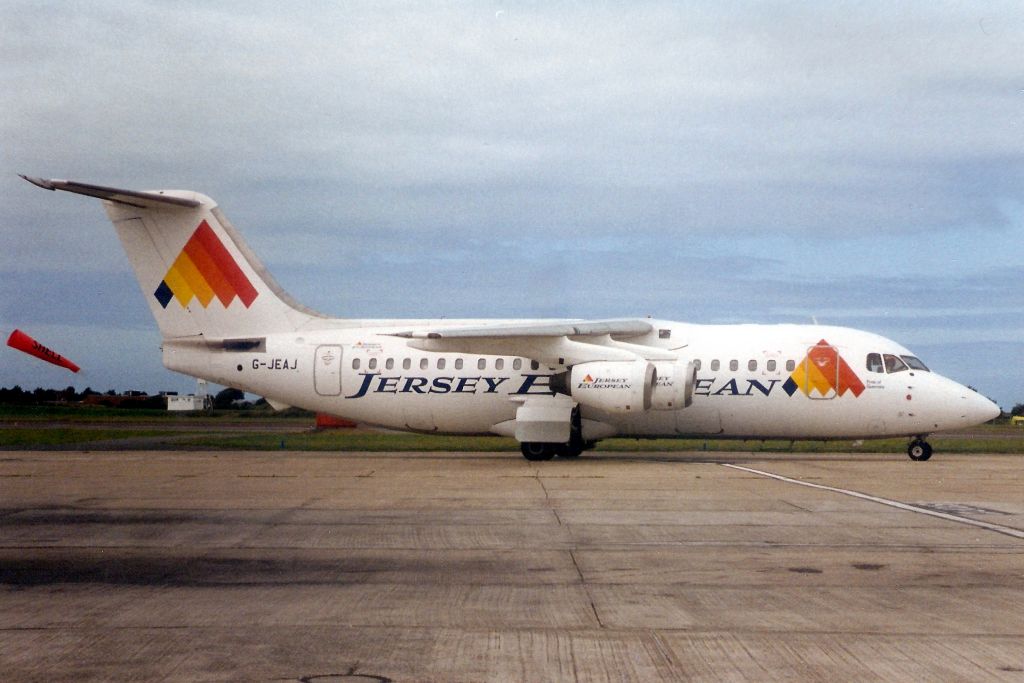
x=572 y=554
x=798 y=507
x=547 y=498
x=543 y=488
x=586 y=589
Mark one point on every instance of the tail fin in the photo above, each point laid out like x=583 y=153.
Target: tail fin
x=197 y=274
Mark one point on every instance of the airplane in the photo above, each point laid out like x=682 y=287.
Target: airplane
x=556 y=386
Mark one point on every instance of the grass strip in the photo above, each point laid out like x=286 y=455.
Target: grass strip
x=352 y=441
x=42 y=438
x=91 y=414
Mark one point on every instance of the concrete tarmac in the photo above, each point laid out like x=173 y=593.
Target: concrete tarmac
x=479 y=566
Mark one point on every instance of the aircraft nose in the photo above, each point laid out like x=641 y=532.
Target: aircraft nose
x=980 y=409
x=984 y=410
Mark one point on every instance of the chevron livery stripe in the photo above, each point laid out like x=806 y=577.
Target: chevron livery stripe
x=204 y=269
x=823 y=370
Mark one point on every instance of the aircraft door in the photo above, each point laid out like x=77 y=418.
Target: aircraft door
x=327 y=370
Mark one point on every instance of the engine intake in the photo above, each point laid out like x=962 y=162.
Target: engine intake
x=673 y=385
x=614 y=386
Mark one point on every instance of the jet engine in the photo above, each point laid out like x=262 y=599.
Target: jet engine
x=673 y=385
x=614 y=386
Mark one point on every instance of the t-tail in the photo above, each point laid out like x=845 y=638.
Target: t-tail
x=200 y=279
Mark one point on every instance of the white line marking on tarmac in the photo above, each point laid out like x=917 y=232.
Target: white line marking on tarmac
x=998 y=528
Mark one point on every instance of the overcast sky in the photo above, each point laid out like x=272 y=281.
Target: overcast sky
x=858 y=162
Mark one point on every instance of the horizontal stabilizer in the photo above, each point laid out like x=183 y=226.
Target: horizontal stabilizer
x=142 y=200
x=201 y=281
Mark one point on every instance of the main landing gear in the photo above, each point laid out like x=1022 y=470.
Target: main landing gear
x=919 y=449
x=533 y=450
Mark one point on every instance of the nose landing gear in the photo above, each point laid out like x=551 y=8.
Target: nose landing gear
x=919 y=449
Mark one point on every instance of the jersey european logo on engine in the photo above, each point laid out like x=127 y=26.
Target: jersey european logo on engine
x=204 y=269
x=823 y=370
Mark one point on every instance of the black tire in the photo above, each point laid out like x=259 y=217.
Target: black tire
x=919 y=450
x=534 y=451
x=927 y=451
x=568 y=451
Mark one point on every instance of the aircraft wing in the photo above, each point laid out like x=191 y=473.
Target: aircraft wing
x=553 y=343
x=569 y=328
x=147 y=200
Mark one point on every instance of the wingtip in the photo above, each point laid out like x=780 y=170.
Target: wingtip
x=38 y=182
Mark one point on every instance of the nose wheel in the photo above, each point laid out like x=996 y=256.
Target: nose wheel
x=919 y=449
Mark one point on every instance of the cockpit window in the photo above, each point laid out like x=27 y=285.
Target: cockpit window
x=874 y=362
x=894 y=364
x=915 y=363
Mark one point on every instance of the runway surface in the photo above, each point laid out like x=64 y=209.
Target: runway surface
x=479 y=566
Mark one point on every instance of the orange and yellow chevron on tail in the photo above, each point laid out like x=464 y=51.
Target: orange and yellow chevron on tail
x=205 y=269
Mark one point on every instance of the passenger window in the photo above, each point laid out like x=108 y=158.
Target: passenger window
x=407 y=363
x=894 y=364
x=481 y=364
x=772 y=365
x=424 y=363
x=790 y=365
x=355 y=363
x=874 y=362
x=373 y=364
x=389 y=363
x=440 y=363
x=715 y=364
x=734 y=365
x=664 y=334
x=517 y=364
x=752 y=365
x=499 y=364
x=696 y=364
x=534 y=365
x=458 y=363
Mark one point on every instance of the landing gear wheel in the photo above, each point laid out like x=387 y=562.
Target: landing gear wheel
x=568 y=450
x=534 y=451
x=919 y=450
x=576 y=444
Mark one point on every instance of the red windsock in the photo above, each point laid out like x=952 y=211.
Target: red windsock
x=21 y=341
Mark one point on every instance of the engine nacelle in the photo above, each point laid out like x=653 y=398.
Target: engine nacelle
x=673 y=385
x=615 y=386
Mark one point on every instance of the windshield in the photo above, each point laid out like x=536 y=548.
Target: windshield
x=915 y=363
x=894 y=364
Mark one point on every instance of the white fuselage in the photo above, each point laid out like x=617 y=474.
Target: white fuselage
x=556 y=386
x=743 y=388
